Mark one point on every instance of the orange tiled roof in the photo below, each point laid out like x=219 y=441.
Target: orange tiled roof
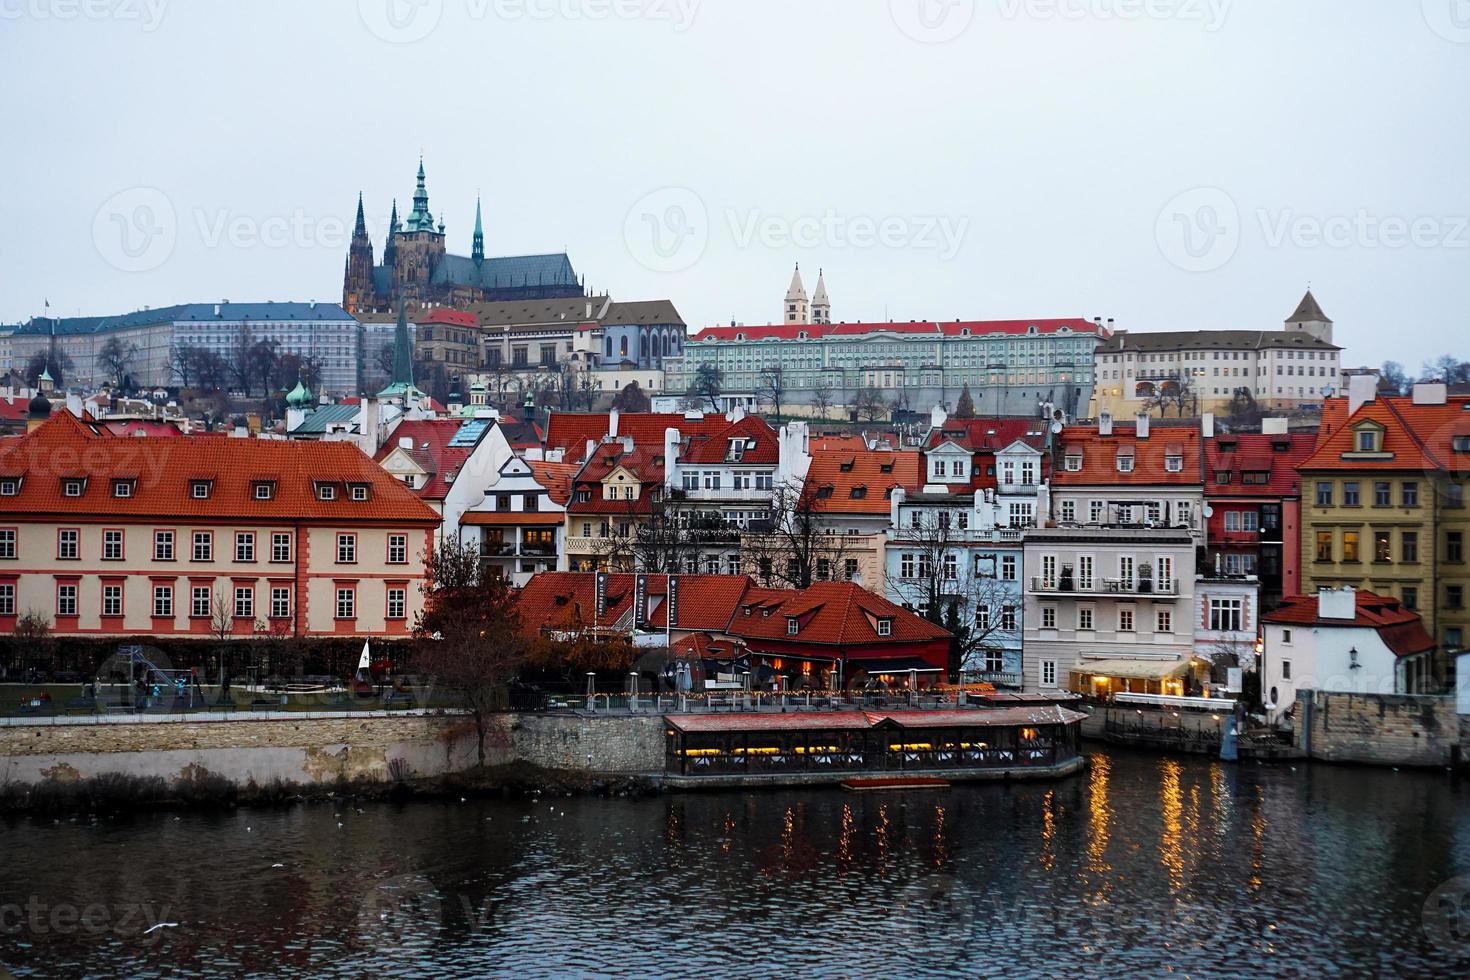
x=1100 y=456
x=555 y=477
x=876 y=471
x=711 y=444
x=1403 y=631
x=164 y=470
x=829 y=613
x=431 y=450
x=1253 y=452
x=1419 y=437
x=556 y=600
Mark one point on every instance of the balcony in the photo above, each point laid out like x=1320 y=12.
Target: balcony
x=1164 y=588
x=999 y=678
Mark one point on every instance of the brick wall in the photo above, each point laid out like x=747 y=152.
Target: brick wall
x=1380 y=729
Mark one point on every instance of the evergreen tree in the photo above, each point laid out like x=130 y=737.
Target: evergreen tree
x=965 y=409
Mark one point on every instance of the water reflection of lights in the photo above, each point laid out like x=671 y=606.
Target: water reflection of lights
x=883 y=842
x=844 y=838
x=1171 y=842
x=940 y=841
x=1048 y=830
x=1098 y=814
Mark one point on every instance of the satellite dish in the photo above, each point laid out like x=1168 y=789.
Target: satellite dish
x=1209 y=511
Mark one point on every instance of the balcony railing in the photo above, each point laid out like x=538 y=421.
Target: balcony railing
x=1000 y=678
x=1064 y=585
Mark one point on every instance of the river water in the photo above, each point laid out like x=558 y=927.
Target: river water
x=1143 y=865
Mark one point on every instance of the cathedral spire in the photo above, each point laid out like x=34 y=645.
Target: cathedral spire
x=420 y=219
x=361 y=228
x=477 y=249
x=401 y=385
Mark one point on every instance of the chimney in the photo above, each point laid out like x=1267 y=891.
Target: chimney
x=1141 y=422
x=367 y=437
x=1431 y=393
x=1274 y=427
x=1337 y=603
x=612 y=424
x=216 y=309
x=1362 y=389
x=1207 y=425
x=1105 y=423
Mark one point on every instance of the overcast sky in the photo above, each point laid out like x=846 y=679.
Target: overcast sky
x=1174 y=164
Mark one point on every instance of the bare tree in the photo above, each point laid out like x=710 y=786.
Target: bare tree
x=797 y=545
x=822 y=397
x=771 y=388
x=955 y=586
x=632 y=399
x=709 y=384
x=1178 y=392
x=867 y=404
x=56 y=363
x=115 y=355
x=469 y=638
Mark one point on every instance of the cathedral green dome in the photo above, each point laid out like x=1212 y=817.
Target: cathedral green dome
x=299 y=396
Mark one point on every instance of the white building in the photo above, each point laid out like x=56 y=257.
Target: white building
x=1105 y=594
x=1341 y=640
x=1227 y=619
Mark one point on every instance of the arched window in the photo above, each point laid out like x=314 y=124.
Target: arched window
x=623 y=346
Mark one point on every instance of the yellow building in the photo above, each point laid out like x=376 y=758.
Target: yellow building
x=1383 y=503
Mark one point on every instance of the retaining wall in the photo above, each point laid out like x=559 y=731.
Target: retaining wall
x=1381 y=729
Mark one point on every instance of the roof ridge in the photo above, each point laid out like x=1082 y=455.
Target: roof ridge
x=1423 y=448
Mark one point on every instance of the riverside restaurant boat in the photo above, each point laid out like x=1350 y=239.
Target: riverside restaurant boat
x=808 y=747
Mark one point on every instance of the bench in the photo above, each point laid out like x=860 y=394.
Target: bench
x=266 y=704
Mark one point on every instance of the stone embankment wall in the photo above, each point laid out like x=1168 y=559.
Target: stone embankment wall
x=324 y=750
x=1381 y=729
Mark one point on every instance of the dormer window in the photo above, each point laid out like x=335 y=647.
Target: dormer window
x=9 y=487
x=824 y=492
x=264 y=490
x=859 y=493
x=1073 y=463
x=73 y=487
x=1461 y=445
x=737 y=450
x=1174 y=464
x=199 y=489
x=793 y=626
x=1367 y=441
x=885 y=627
x=1125 y=462
x=846 y=465
x=122 y=489
x=360 y=493
x=325 y=491
x=885 y=468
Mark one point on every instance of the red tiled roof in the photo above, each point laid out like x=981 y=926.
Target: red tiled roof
x=553 y=600
x=511 y=518
x=975 y=434
x=711 y=444
x=1419 y=437
x=555 y=477
x=829 y=614
x=1252 y=452
x=702 y=646
x=977 y=328
x=1402 y=630
x=458 y=318
x=431 y=451
x=1100 y=456
x=166 y=469
x=132 y=427
x=876 y=470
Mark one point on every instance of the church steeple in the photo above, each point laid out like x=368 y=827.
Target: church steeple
x=390 y=249
x=357 y=278
x=361 y=228
x=821 y=305
x=477 y=248
x=420 y=219
x=797 y=310
x=401 y=385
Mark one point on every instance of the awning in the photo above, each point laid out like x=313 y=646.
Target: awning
x=1148 y=670
x=893 y=665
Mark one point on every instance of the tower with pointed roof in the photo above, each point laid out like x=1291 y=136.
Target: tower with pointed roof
x=357 y=284
x=1309 y=318
x=390 y=250
x=418 y=248
x=477 y=245
x=798 y=309
x=821 y=305
x=401 y=385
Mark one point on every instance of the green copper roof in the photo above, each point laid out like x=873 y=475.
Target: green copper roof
x=401 y=385
x=477 y=249
x=420 y=219
x=299 y=396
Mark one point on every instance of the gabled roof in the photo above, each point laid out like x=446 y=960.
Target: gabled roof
x=165 y=470
x=828 y=613
x=555 y=477
x=652 y=312
x=1100 y=456
x=1252 y=452
x=1415 y=437
x=988 y=435
x=710 y=443
x=1402 y=631
x=878 y=471
x=432 y=450
x=557 y=600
